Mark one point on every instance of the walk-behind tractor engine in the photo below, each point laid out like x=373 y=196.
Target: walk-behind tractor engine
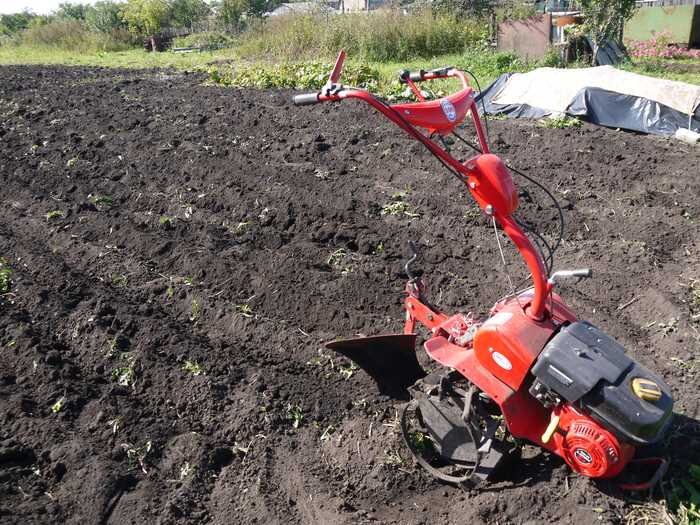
x=530 y=371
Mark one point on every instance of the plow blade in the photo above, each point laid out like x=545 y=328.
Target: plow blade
x=389 y=359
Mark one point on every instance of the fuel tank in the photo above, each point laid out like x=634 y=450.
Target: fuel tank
x=509 y=342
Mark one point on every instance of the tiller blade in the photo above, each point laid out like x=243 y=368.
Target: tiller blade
x=389 y=359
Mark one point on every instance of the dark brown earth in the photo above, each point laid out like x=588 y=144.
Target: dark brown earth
x=198 y=228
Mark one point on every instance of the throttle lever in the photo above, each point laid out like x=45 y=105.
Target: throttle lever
x=581 y=273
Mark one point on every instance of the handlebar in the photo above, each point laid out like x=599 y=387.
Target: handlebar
x=419 y=76
x=306 y=99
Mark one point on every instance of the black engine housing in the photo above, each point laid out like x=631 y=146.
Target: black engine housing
x=589 y=369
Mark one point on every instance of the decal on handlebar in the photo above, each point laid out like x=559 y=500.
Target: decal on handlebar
x=448 y=109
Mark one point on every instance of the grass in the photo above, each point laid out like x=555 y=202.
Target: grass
x=683 y=70
x=265 y=72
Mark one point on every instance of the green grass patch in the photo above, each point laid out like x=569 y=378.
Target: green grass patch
x=376 y=37
x=684 y=500
x=561 y=122
x=683 y=70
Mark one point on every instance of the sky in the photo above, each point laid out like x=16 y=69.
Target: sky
x=39 y=7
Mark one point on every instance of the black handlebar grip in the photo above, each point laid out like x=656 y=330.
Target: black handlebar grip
x=417 y=76
x=414 y=76
x=306 y=99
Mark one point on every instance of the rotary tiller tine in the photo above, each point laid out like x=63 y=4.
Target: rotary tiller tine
x=389 y=359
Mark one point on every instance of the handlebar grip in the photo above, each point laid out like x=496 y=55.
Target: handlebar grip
x=582 y=272
x=414 y=76
x=306 y=99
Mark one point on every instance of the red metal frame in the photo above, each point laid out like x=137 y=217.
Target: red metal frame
x=431 y=116
x=495 y=355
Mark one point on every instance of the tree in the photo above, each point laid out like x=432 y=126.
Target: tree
x=257 y=8
x=146 y=17
x=186 y=12
x=72 y=11
x=12 y=24
x=105 y=17
x=605 y=19
x=231 y=11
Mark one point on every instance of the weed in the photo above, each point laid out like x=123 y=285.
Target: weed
x=694 y=293
x=55 y=214
x=321 y=359
x=295 y=415
x=398 y=206
x=111 y=347
x=115 y=424
x=189 y=281
x=244 y=310
x=125 y=375
x=392 y=458
x=668 y=328
x=186 y=470
x=72 y=162
x=240 y=228
x=560 y=122
x=497 y=116
x=195 y=310
x=120 y=281
x=420 y=441
x=336 y=258
x=688 y=366
x=101 y=200
x=170 y=292
x=58 y=405
x=347 y=371
x=193 y=367
x=379 y=248
x=685 y=498
x=166 y=222
x=326 y=436
x=5 y=276
x=136 y=456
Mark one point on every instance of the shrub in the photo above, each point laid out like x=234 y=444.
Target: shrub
x=307 y=75
x=379 y=36
x=73 y=35
x=210 y=39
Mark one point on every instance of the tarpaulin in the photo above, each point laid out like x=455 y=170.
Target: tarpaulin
x=600 y=95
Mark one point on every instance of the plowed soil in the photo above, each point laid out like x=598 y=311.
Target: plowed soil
x=180 y=252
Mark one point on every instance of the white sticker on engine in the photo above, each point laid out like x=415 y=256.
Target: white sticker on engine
x=502 y=361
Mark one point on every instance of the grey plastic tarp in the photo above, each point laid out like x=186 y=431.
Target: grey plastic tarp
x=599 y=106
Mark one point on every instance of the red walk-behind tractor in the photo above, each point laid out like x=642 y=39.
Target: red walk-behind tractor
x=532 y=371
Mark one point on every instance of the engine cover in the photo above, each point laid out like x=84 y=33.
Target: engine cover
x=590 y=370
x=590 y=449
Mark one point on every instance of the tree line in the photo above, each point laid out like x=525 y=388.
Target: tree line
x=142 y=17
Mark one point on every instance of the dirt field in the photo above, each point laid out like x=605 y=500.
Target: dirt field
x=180 y=252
